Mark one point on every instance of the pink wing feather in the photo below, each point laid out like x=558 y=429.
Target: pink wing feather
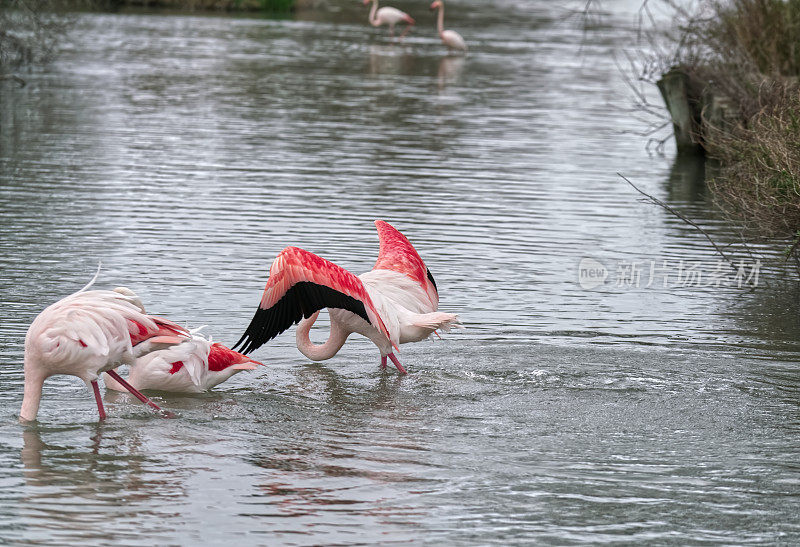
x=221 y=357
x=301 y=283
x=399 y=255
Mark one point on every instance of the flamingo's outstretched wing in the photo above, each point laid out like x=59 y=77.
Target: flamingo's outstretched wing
x=301 y=283
x=399 y=255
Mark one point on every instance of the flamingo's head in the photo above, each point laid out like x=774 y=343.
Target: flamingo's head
x=437 y=4
x=367 y=2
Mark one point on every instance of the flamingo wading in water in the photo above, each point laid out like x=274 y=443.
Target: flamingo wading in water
x=388 y=16
x=194 y=365
x=87 y=333
x=450 y=38
x=394 y=303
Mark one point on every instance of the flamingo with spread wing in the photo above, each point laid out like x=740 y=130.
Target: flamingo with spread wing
x=87 y=333
x=394 y=303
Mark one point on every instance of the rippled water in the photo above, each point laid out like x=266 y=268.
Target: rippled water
x=185 y=152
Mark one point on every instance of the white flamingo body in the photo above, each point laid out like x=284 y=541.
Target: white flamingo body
x=392 y=304
x=85 y=334
x=453 y=40
x=450 y=38
x=403 y=306
x=388 y=16
x=193 y=366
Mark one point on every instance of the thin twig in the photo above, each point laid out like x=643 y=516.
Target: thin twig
x=793 y=248
x=20 y=81
x=683 y=218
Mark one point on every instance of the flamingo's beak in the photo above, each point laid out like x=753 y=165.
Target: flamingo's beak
x=367 y=2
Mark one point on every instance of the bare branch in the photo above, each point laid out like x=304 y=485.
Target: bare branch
x=683 y=218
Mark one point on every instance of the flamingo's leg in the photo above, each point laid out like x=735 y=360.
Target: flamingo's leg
x=397 y=364
x=99 y=400
x=383 y=362
x=391 y=31
x=135 y=392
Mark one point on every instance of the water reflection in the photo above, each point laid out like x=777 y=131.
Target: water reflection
x=191 y=152
x=110 y=463
x=450 y=68
x=391 y=59
x=687 y=179
x=75 y=487
x=315 y=463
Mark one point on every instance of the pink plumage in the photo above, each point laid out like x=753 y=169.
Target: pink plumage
x=394 y=303
x=294 y=265
x=397 y=254
x=85 y=334
x=388 y=16
x=450 y=38
x=194 y=365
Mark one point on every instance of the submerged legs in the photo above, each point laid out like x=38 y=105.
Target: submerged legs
x=397 y=364
x=99 y=400
x=137 y=394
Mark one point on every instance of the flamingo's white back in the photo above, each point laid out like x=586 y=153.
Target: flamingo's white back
x=193 y=366
x=83 y=335
x=388 y=16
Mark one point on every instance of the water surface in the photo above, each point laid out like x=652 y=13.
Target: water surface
x=186 y=151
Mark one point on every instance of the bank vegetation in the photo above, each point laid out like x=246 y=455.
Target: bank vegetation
x=737 y=65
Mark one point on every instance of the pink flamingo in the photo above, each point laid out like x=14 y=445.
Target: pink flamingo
x=388 y=16
x=194 y=365
x=392 y=304
x=450 y=38
x=87 y=333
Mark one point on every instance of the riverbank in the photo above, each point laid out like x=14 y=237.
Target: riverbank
x=733 y=94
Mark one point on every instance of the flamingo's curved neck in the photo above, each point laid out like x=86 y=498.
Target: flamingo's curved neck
x=440 y=21
x=372 y=19
x=33 y=394
x=320 y=352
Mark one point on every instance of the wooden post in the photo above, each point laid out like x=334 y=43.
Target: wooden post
x=674 y=88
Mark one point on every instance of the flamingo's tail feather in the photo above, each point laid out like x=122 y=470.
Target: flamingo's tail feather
x=438 y=320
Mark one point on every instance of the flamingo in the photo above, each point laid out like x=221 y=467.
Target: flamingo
x=388 y=16
x=450 y=38
x=86 y=333
x=194 y=365
x=394 y=303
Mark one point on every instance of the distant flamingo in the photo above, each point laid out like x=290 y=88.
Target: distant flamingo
x=393 y=304
x=193 y=366
x=87 y=333
x=388 y=16
x=450 y=38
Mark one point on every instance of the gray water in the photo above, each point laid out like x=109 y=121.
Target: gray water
x=186 y=151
